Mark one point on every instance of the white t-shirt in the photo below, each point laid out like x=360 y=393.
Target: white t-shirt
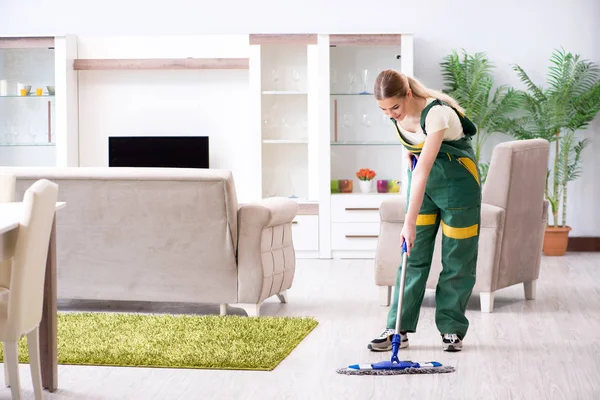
x=438 y=118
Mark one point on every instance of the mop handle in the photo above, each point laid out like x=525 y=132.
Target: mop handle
x=403 y=272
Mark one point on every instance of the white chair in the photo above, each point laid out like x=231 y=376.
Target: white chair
x=21 y=309
x=7 y=195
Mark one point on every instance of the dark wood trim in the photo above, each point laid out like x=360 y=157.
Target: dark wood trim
x=161 y=63
x=48 y=327
x=26 y=42
x=308 y=208
x=365 y=40
x=584 y=244
x=286 y=38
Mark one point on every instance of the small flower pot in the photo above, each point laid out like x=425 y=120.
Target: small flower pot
x=366 y=186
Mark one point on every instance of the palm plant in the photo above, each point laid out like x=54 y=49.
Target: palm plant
x=569 y=103
x=468 y=78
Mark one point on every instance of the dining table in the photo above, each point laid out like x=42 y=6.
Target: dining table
x=11 y=215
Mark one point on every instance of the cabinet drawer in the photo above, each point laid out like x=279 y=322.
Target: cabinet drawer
x=305 y=232
x=354 y=236
x=357 y=207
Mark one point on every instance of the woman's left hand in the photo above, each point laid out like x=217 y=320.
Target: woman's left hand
x=408 y=235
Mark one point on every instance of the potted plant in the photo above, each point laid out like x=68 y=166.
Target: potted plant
x=365 y=175
x=468 y=78
x=569 y=103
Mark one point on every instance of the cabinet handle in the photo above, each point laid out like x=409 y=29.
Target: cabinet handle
x=294 y=222
x=49 y=122
x=362 y=209
x=362 y=236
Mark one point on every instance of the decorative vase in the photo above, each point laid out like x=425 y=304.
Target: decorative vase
x=346 y=185
x=366 y=186
x=556 y=240
x=382 y=186
x=393 y=186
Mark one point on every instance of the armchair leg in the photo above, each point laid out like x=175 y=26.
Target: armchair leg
x=487 y=302
x=253 y=310
x=11 y=361
x=223 y=309
x=282 y=296
x=385 y=295
x=530 y=289
x=6 y=380
x=33 y=342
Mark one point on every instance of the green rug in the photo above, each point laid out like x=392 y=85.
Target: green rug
x=176 y=341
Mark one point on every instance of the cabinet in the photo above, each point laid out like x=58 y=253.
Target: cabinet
x=315 y=121
x=361 y=136
x=38 y=101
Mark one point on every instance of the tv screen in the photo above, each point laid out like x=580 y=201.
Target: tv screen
x=158 y=151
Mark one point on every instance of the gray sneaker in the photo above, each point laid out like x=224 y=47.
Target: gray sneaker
x=451 y=342
x=383 y=342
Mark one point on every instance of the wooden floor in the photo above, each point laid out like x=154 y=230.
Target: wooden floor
x=548 y=348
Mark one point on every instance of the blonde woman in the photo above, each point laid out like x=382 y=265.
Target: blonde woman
x=444 y=189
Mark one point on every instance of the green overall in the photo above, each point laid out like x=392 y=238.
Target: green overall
x=453 y=200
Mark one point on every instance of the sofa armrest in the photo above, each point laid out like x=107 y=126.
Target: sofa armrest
x=266 y=257
x=268 y=212
x=393 y=210
x=492 y=216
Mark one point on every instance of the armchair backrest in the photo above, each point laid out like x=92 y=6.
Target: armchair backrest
x=516 y=182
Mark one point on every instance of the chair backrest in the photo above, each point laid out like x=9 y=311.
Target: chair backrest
x=29 y=262
x=516 y=181
x=7 y=195
x=7 y=188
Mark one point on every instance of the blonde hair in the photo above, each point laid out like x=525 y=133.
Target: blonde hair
x=390 y=83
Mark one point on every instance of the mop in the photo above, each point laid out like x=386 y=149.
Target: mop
x=395 y=366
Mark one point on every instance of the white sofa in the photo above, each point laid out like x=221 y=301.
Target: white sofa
x=169 y=235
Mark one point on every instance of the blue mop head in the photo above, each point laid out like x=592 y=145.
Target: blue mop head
x=396 y=368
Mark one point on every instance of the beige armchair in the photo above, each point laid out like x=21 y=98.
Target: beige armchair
x=21 y=309
x=513 y=219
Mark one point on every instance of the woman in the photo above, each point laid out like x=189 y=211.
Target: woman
x=444 y=188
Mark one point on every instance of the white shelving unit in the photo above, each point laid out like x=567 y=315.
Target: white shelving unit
x=320 y=122
x=361 y=136
x=38 y=129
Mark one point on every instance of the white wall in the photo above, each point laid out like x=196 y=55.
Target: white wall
x=209 y=103
x=511 y=32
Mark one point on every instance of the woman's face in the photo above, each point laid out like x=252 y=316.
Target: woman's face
x=394 y=107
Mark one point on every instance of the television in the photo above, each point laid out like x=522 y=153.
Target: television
x=158 y=151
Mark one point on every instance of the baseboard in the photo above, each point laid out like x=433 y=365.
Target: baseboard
x=584 y=243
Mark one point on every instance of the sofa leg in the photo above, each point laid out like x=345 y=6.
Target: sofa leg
x=385 y=294
x=530 y=289
x=223 y=309
x=487 y=302
x=282 y=296
x=253 y=310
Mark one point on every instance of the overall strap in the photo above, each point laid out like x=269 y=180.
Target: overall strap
x=468 y=126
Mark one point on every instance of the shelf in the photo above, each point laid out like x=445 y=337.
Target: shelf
x=352 y=94
x=365 y=40
x=359 y=193
x=284 y=92
x=24 y=42
x=160 y=63
x=29 y=96
x=286 y=38
x=27 y=144
x=284 y=141
x=366 y=144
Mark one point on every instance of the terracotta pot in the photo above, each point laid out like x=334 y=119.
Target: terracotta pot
x=556 y=240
